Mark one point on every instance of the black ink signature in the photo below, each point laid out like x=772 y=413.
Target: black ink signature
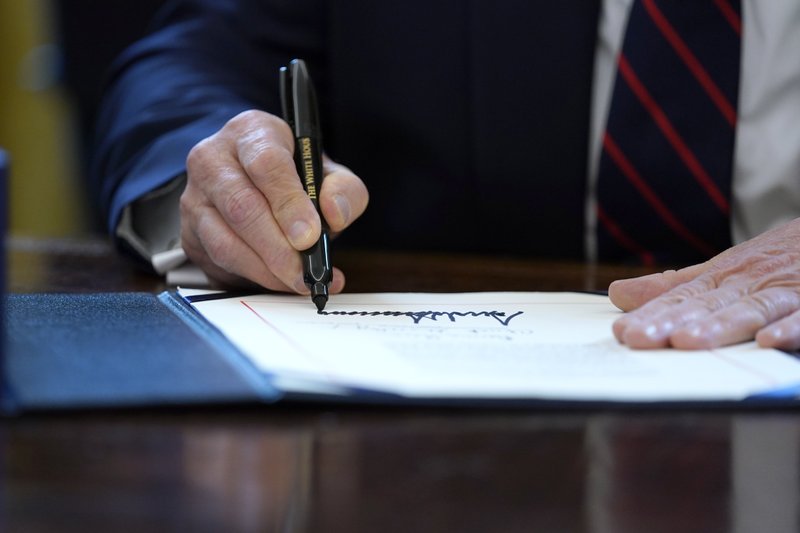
x=417 y=316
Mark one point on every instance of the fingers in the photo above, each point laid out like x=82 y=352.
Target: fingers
x=654 y=324
x=228 y=259
x=213 y=245
x=738 y=322
x=782 y=335
x=343 y=198
x=244 y=212
x=266 y=156
x=629 y=294
x=226 y=221
x=718 y=318
x=749 y=291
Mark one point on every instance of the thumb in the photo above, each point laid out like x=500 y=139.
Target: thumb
x=629 y=294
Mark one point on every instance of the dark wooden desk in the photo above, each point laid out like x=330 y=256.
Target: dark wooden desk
x=323 y=468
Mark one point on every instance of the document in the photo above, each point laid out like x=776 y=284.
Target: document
x=490 y=345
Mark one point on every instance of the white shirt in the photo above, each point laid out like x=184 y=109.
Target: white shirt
x=766 y=170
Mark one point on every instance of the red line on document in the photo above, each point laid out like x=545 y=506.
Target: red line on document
x=289 y=340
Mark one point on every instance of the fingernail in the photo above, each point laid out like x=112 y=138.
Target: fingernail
x=642 y=336
x=343 y=206
x=618 y=328
x=299 y=233
x=652 y=332
x=774 y=333
x=694 y=332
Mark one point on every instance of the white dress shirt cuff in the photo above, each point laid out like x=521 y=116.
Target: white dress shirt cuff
x=151 y=227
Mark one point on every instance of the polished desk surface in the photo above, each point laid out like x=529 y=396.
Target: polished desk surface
x=353 y=469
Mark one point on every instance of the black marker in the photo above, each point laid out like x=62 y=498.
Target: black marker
x=299 y=103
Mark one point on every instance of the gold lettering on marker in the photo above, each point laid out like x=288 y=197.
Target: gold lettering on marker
x=308 y=167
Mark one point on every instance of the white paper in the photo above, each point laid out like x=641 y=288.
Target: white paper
x=482 y=345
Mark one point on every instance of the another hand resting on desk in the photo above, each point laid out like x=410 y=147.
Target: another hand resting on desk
x=244 y=213
x=749 y=291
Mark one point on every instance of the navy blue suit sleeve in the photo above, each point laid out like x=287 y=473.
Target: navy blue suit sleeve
x=204 y=62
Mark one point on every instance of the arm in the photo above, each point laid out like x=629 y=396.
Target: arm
x=200 y=76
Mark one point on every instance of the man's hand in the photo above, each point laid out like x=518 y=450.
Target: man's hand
x=749 y=291
x=244 y=213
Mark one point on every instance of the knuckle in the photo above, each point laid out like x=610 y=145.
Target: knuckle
x=285 y=206
x=245 y=119
x=717 y=299
x=243 y=206
x=693 y=289
x=254 y=124
x=219 y=251
x=764 y=306
x=787 y=278
x=775 y=303
x=670 y=299
x=185 y=206
x=270 y=164
x=199 y=154
x=711 y=303
x=189 y=205
x=190 y=197
x=764 y=268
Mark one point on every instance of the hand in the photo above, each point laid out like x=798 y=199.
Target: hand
x=244 y=213
x=749 y=291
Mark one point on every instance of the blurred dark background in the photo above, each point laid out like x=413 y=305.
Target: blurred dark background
x=54 y=56
x=91 y=33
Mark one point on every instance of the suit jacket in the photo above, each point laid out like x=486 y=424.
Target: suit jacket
x=467 y=120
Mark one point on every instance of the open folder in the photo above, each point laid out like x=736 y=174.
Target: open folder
x=498 y=348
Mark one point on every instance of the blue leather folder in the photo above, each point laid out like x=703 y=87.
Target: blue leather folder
x=120 y=350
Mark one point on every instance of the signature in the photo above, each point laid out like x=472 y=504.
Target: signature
x=418 y=316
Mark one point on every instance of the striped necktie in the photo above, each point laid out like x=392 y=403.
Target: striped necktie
x=664 y=180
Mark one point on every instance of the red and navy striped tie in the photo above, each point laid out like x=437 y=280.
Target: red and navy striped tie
x=664 y=180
